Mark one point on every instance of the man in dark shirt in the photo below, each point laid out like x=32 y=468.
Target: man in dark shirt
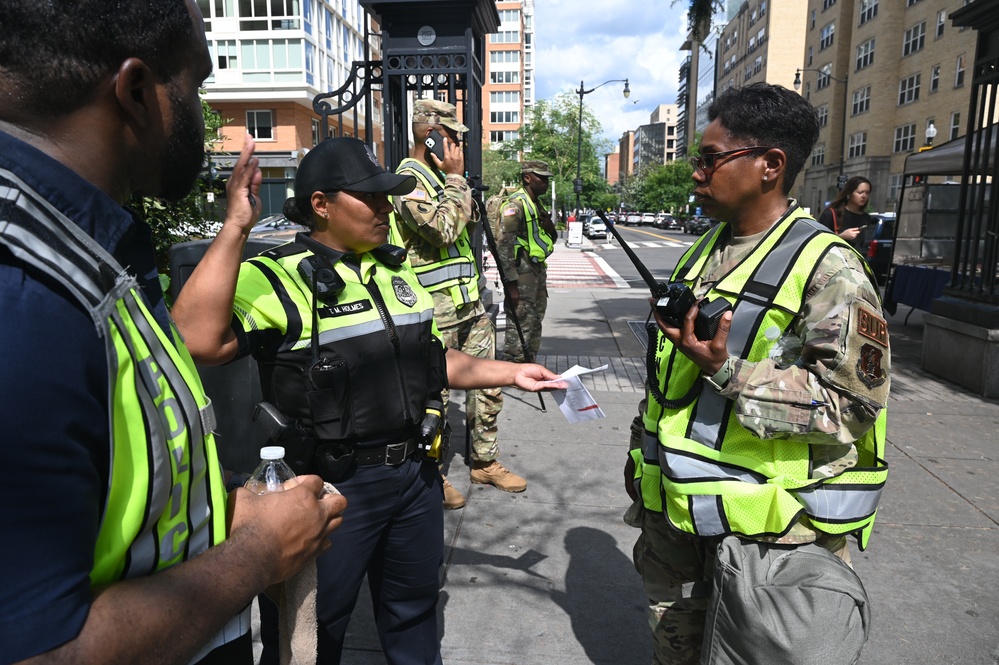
x=95 y=105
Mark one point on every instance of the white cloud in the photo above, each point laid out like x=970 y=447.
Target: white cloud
x=598 y=40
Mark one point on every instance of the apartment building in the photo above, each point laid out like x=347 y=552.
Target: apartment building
x=763 y=42
x=626 y=151
x=612 y=167
x=509 y=87
x=656 y=142
x=881 y=73
x=271 y=59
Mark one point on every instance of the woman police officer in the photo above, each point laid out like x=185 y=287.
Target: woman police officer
x=348 y=350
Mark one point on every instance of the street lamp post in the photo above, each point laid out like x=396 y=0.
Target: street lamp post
x=931 y=133
x=841 y=179
x=577 y=184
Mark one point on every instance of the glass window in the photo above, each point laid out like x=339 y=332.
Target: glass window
x=955 y=125
x=226 y=54
x=935 y=78
x=894 y=185
x=959 y=73
x=260 y=125
x=865 y=54
x=913 y=39
x=858 y=145
x=941 y=22
x=862 y=100
x=908 y=90
x=819 y=154
x=905 y=138
x=824 y=77
x=868 y=10
x=315 y=132
x=826 y=36
x=823 y=113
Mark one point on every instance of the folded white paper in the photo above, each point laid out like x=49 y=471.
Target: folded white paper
x=575 y=401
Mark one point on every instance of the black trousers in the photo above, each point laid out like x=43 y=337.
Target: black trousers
x=393 y=532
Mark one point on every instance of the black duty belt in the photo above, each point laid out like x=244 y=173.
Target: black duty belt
x=390 y=454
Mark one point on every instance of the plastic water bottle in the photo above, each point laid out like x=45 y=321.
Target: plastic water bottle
x=272 y=472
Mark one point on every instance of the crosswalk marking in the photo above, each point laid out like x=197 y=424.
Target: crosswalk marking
x=665 y=244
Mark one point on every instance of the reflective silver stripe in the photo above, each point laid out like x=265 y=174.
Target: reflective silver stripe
x=69 y=260
x=364 y=328
x=840 y=503
x=709 y=422
x=650 y=445
x=684 y=468
x=141 y=558
x=443 y=273
x=198 y=501
x=707 y=515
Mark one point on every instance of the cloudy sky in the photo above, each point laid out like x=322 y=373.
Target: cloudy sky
x=598 y=40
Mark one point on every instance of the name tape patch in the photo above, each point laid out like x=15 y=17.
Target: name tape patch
x=873 y=327
x=345 y=309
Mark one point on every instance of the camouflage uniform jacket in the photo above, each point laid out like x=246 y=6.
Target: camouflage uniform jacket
x=821 y=380
x=435 y=216
x=518 y=225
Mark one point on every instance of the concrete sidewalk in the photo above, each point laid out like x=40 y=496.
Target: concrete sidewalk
x=546 y=577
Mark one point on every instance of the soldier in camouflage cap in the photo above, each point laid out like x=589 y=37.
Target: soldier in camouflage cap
x=434 y=222
x=525 y=239
x=787 y=402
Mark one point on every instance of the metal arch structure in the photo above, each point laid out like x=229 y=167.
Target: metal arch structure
x=365 y=77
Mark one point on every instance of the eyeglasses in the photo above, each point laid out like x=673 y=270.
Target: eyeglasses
x=708 y=162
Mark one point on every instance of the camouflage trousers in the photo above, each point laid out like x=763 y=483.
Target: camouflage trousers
x=476 y=336
x=532 y=283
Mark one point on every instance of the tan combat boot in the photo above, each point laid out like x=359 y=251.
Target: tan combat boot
x=453 y=499
x=493 y=473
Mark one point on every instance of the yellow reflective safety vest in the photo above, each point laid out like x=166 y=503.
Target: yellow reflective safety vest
x=454 y=270
x=697 y=463
x=537 y=244
x=166 y=499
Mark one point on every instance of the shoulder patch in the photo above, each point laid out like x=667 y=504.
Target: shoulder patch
x=873 y=327
x=416 y=195
x=869 y=368
x=511 y=210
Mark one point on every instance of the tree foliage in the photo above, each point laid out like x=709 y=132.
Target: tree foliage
x=551 y=133
x=191 y=217
x=666 y=187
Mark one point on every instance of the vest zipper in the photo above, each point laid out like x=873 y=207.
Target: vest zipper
x=393 y=334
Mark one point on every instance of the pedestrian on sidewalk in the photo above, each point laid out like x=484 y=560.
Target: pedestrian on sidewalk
x=771 y=435
x=345 y=337
x=117 y=547
x=526 y=239
x=432 y=222
x=847 y=215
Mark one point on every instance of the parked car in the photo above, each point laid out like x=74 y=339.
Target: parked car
x=648 y=219
x=596 y=229
x=633 y=219
x=273 y=224
x=876 y=241
x=697 y=225
x=665 y=221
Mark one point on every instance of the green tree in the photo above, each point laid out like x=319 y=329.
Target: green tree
x=191 y=217
x=666 y=186
x=499 y=167
x=550 y=133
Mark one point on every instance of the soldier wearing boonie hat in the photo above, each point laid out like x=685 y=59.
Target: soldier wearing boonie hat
x=526 y=239
x=432 y=223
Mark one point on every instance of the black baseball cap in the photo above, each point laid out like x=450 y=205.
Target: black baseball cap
x=347 y=164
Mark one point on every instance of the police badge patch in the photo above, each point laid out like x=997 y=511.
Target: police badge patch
x=869 y=366
x=403 y=292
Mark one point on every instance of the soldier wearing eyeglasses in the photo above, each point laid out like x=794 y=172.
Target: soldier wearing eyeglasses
x=772 y=431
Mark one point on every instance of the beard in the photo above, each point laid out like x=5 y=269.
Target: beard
x=184 y=156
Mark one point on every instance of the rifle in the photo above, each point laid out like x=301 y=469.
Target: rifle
x=511 y=312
